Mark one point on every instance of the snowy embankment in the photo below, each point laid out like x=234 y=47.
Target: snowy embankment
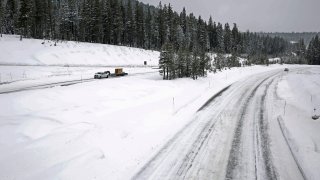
x=299 y=100
x=68 y=53
x=31 y=61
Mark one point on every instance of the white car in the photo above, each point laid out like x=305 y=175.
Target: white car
x=100 y=75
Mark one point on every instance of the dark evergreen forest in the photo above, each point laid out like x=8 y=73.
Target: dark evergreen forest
x=185 y=41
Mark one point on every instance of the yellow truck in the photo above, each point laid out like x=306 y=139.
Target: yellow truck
x=119 y=72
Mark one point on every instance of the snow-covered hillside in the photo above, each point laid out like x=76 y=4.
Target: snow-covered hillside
x=40 y=52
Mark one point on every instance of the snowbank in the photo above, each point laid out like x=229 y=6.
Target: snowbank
x=300 y=100
x=40 y=52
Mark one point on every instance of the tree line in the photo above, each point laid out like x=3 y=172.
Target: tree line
x=292 y=36
x=186 y=41
x=313 y=51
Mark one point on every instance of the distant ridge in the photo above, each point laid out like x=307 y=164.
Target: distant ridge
x=293 y=36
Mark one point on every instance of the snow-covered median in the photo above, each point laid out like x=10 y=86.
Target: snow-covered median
x=299 y=94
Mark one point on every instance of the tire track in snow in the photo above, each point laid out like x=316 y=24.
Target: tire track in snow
x=203 y=137
x=264 y=138
x=234 y=156
x=261 y=129
x=197 y=145
x=179 y=158
x=63 y=83
x=48 y=85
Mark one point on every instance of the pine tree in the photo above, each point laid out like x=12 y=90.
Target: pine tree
x=313 y=52
x=204 y=63
x=180 y=38
x=181 y=63
x=227 y=38
x=26 y=17
x=215 y=37
x=161 y=24
x=85 y=22
x=10 y=16
x=193 y=38
x=50 y=21
x=172 y=22
x=123 y=27
x=148 y=28
x=1 y=18
x=183 y=20
x=219 y=61
x=96 y=26
x=116 y=22
x=235 y=39
x=139 y=26
x=129 y=25
x=188 y=64
x=233 y=61
x=106 y=21
x=41 y=17
x=220 y=39
x=202 y=35
x=317 y=48
x=301 y=51
x=195 y=66
x=211 y=33
x=154 y=32
x=74 y=20
x=65 y=27
x=162 y=63
x=166 y=62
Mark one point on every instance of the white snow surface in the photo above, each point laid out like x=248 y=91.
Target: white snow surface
x=299 y=94
x=108 y=129
x=68 y=53
x=102 y=129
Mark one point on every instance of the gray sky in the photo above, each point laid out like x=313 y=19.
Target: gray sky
x=255 y=15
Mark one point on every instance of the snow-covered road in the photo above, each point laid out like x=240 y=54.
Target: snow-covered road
x=244 y=123
x=42 y=77
x=236 y=136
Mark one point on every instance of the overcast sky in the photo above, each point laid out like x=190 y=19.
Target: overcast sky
x=255 y=15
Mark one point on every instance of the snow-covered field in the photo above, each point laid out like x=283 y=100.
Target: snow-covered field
x=109 y=129
x=43 y=52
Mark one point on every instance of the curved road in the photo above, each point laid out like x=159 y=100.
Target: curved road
x=233 y=136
